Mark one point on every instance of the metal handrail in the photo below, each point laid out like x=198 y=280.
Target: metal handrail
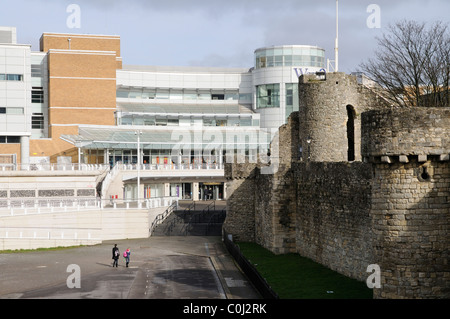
x=161 y=217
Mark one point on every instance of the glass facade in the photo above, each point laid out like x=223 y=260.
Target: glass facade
x=142 y=119
x=268 y=95
x=179 y=94
x=290 y=56
x=11 y=77
x=291 y=98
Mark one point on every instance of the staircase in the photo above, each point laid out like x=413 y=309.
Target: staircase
x=193 y=222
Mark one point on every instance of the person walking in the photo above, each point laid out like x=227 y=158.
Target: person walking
x=127 y=254
x=115 y=255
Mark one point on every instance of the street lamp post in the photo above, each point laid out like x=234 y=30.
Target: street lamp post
x=138 y=133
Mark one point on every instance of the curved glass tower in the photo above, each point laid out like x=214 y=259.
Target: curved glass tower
x=275 y=79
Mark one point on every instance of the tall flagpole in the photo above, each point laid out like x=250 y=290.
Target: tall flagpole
x=336 y=48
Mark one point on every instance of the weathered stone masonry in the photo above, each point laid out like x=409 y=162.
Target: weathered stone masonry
x=391 y=207
x=410 y=200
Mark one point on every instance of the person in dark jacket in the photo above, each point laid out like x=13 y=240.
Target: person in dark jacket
x=115 y=255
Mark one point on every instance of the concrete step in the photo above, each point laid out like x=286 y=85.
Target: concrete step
x=191 y=223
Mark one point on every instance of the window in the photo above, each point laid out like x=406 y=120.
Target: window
x=14 y=77
x=11 y=110
x=135 y=94
x=232 y=96
x=162 y=94
x=11 y=77
x=173 y=122
x=218 y=96
x=36 y=71
x=161 y=122
x=37 y=121
x=292 y=103
x=190 y=95
x=122 y=93
x=9 y=139
x=290 y=56
x=268 y=96
x=176 y=95
x=37 y=95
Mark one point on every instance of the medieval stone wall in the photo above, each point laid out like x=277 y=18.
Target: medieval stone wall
x=333 y=223
x=391 y=208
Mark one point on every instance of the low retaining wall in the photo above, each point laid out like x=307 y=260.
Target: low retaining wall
x=63 y=229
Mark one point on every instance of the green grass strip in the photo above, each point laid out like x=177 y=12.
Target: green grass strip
x=292 y=276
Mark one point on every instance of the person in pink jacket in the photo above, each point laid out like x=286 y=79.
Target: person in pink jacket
x=127 y=254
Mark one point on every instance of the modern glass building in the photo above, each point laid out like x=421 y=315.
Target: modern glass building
x=82 y=106
x=275 y=79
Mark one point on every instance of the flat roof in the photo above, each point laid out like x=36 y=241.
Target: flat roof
x=91 y=137
x=187 y=109
x=183 y=69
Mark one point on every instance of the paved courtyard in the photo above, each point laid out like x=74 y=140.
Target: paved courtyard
x=160 y=268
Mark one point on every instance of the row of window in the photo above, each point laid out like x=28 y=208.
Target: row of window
x=268 y=96
x=165 y=94
x=9 y=139
x=37 y=121
x=11 y=77
x=156 y=121
x=12 y=110
x=295 y=60
x=37 y=95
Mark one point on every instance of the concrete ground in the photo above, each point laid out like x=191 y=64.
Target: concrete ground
x=160 y=268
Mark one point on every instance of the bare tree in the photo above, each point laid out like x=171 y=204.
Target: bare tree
x=412 y=64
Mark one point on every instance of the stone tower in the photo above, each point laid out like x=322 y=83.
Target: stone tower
x=410 y=210
x=330 y=116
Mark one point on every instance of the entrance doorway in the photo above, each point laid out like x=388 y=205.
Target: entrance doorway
x=211 y=191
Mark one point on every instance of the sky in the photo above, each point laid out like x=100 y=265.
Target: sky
x=222 y=33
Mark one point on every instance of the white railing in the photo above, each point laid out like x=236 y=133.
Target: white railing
x=28 y=206
x=112 y=174
x=50 y=233
x=160 y=167
x=53 y=167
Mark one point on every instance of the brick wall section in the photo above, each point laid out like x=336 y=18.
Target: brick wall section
x=82 y=88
